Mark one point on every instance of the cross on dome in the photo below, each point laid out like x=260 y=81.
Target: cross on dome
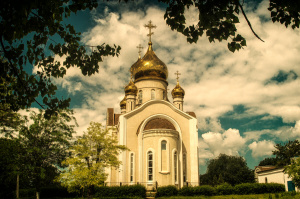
x=177 y=73
x=150 y=26
x=140 y=49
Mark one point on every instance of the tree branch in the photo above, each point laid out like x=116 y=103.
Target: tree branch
x=249 y=22
x=15 y=71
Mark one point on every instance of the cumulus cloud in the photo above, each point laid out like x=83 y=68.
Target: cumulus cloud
x=212 y=144
x=262 y=148
x=215 y=80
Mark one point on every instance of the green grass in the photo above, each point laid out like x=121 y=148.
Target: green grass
x=256 y=196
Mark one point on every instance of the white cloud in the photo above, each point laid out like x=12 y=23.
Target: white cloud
x=229 y=142
x=214 y=79
x=262 y=148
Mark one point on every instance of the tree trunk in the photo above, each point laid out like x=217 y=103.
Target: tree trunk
x=37 y=195
x=18 y=188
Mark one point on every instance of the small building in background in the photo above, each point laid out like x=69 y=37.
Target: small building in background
x=273 y=174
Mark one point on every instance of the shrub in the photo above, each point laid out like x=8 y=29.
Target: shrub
x=130 y=191
x=186 y=191
x=224 y=189
x=25 y=193
x=258 y=188
x=56 y=191
x=166 y=191
x=204 y=190
x=274 y=188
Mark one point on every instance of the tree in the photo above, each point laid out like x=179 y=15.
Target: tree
x=10 y=150
x=230 y=169
x=293 y=170
x=91 y=154
x=218 y=18
x=285 y=152
x=31 y=33
x=45 y=143
x=268 y=162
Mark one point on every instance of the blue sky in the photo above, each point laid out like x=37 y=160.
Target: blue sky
x=245 y=101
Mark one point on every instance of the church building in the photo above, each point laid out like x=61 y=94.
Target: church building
x=161 y=137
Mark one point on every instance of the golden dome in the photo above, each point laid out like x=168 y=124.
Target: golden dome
x=123 y=103
x=130 y=89
x=178 y=91
x=149 y=67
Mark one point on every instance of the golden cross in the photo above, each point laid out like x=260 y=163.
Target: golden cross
x=150 y=26
x=177 y=73
x=140 y=47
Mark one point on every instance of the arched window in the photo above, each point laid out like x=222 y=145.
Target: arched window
x=152 y=94
x=140 y=97
x=131 y=167
x=164 y=156
x=150 y=166
x=184 y=167
x=164 y=95
x=175 y=167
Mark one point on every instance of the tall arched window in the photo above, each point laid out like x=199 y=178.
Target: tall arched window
x=150 y=166
x=131 y=167
x=164 y=162
x=175 y=167
x=152 y=94
x=140 y=97
x=184 y=167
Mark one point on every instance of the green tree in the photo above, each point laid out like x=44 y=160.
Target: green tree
x=31 y=33
x=45 y=143
x=218 y=19
x=268 y=162
x=232 y=169
x=91 y=154
x=10 y=150
x=285 y=152
x=293 y=170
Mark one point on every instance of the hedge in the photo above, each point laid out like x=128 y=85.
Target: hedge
x=125 y=191
x=258 y=188
x=224 y=189
x=166 y=191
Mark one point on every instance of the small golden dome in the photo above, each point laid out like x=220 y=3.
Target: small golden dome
x=123 y=103
x=130 y=89
x=149 y=67
x=178 y=91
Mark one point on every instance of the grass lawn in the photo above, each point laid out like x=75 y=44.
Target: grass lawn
x=257 y=196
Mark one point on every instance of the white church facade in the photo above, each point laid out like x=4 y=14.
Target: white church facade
x=162 y=139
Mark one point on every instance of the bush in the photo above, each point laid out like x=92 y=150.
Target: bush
x=186 y=191
x=258 y=188
x=166 y=191
x=130 y=191
x=204 y=190
x=224 y=189
x=26 y=193
x=56 y=191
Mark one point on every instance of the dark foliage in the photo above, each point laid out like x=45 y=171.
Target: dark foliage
x=230 y=169
x=122 y=191
x=285 y=152
x=268 y=162
x=166 y=191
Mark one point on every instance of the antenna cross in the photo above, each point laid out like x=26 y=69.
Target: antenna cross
x=177 y=73
x=140 y=49
x=150 y=26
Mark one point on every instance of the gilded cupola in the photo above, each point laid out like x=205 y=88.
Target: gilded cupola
x=150 y=66
x=130 y=89
x=123 y=103
x=178 y=91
